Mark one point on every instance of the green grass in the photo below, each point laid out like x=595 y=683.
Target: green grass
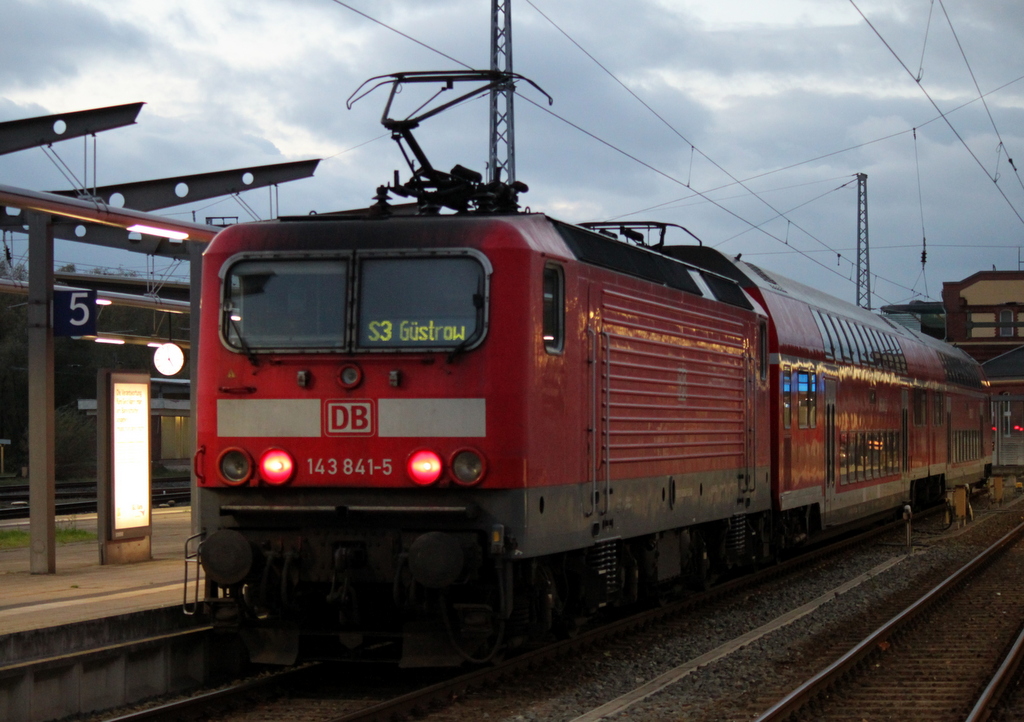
x=15 y=538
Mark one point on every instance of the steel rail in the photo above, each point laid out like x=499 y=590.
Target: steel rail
x=173 y=710
x=821 y=682
x=159 y=494
x=442 y=693
x=1001 y=680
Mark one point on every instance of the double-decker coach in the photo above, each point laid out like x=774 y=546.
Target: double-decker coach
x=866 y=414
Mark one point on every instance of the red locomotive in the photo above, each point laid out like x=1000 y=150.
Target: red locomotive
x=432 y=437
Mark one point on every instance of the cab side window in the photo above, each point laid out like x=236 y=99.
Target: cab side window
x=553 y=310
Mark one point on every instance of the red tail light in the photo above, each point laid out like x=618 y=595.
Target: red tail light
x=276 y=466
x=424 y=467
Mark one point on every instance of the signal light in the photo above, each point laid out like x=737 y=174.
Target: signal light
x=424 y=467
x=276 y=466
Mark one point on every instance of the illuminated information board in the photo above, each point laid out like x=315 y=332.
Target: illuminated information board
x=400 y=332
x=129 y=420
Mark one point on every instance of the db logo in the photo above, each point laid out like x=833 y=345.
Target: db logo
x=349 y=418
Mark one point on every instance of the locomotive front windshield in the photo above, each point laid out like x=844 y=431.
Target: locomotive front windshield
x=286 y=304
x=401 y=303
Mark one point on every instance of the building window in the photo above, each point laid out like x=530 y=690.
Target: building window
x=1006 y=323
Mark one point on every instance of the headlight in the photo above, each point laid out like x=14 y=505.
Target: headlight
x=468 y=467
x=235 y=466
x=350 y=376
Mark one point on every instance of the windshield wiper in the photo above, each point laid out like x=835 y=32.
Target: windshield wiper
x=249 y=353
x=478 y=303
x=460 y=349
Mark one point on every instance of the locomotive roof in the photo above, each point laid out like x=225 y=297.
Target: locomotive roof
x=583 y=244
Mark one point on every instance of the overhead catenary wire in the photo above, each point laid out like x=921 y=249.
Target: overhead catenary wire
x=684 y=139
x=644 y=163
x=692 y=148
x=988 y=111
x=697 y=200
x=924 y=45
x=399 y=32
x=665 y=122
x=704 y=195
x=939 y=110
x=829 y=154
x=920 y=202
x=788 y=221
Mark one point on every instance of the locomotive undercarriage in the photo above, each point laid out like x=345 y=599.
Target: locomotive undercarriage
x=443 y=598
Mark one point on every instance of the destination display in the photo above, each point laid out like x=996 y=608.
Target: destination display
x=431 y=331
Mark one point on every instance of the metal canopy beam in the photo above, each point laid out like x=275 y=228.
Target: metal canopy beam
x=36 y=215
x=113 y=237
x=167 y=192
x=155 y=194
x=97 y=212
x=34 y=132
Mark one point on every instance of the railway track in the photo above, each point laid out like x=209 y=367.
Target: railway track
x=930 y=662
x=438 y=693
x=80 y=497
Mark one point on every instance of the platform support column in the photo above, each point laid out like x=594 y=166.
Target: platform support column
x=42 y=521
x=195 y=260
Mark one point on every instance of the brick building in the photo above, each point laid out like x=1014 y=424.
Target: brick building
x=985 y=313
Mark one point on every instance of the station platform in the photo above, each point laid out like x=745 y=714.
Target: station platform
x=82 y=589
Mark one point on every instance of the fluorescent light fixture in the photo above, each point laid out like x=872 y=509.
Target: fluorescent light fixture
x=103 y=302
x=155 y=231
x=155 y=344
x=118 y=341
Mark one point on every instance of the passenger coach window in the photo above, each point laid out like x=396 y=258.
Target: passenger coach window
x=826 y=335
x=787 y=398
x=553 y=309
x=413 y=302
x=920 y=407
x=807 y=400
x=285 y=304
x=762 y=340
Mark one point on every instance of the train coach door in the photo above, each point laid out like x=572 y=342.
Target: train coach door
x=905 y=434
x=830 y=446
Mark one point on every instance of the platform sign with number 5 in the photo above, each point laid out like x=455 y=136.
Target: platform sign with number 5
x=74 y=313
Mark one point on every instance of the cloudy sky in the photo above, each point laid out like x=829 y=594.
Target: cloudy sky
x=744 y=120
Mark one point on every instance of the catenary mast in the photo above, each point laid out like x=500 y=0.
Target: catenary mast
x=502 y=155
x=863 y=253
